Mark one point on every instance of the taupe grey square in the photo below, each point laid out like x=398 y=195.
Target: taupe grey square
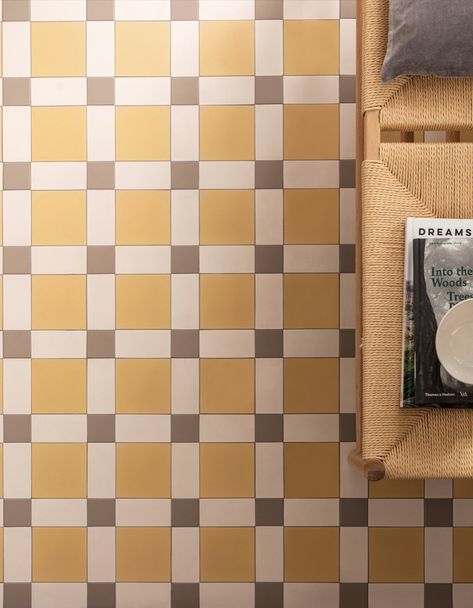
x=347 y=258
x=269 y=512
x=347 y=342
x=355 y=595
x=100 y=91
x=100 y=428
x=347 y=427
x=101 y=343
x=348 y=9
x=268 y=343
x=438 y=512
x=185 y=91
x=17 y=428
x=16 y=176
x=101 y=595
x=185 y=428
x=269 y=595
x=17 y=260
x=185 y=512
x=17 y=512
x=185 y=175
x=438 y=595
x=101 y=175
x=347 y=171
x=269 y=258
x=347 y=93
x=16 y=10
x=16 y=344
x=100 y=10
x=268 y=428
x=185 y=343
x=269 y=89
x=184 y=10
x=101 y=512
x=184 y=259
x=101 y=259
x=269 y=9
x=268 y=174
x=185 y=595
x=353 y=512
x=17 y=595
x=16 y=92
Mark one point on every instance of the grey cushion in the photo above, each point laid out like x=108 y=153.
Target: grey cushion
x=429 y=37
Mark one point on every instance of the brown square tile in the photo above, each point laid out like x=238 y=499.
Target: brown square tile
x=268 y=427
x=311 y=386
x=185 y=595
x=268 y=343
x=269 y=258
x=347 y=258
x=16 y=344
x=185 y=259
x=269 y=595
x=101 y=512
x=347 y=170
x=185 y=91
x=311 y=216
x=348 y=9
x=347 y=342
x=227 y=554
x=101 y=343
x=438 y=512
x=16 y=10
x=17 y=260
x=311 y=555
x=462 y=562
x=100 y=428
x=311 y=301
x=353 y=595
x=347 y=427
x=185 y=428
x=438 y=595
x=185 y=343
x=185 y=512
x=269 y=9
x=101 y=259
x=311 y=470
x=311 y=131
x=17 y=428
x=269 y=512
x=101 y=175
x=347 y=88
x=184 y=175
x=17 y=512
x=463 y=488
x=16 y=176
x=396 y=555
x=269 y=89
x=101 y=595
x=184 y=10
x=268 y=174
x=16 y=92
x=353 y=512
x=100 y=10
x=17 y=595
x=100 y=91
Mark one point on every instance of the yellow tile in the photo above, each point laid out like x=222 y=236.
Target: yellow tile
x=59 y=470
x=311 y=216
x=311 y=132
x=227 y=386
x=463 y=488
x=143 y=386
x=396 y=555
x=310 y=301
x=311 y=470
x=58 y=133
x=311 y=47
x=58 y=302
x=462 y=562
x=142 y=48
x=227 y=470
x=227 y=48
x=143 y=133
x=143 y=470
x=227 y=217
x=227 y=554
x=143 y=554
x=58 y=48
x=311 y=555
x=59 y=386
x=58 y=217
x=143 y=301
x=311 y=386
x=227 y=132
x=227 y=301
x=143 y=217
x=59 y=555
x=397 y=488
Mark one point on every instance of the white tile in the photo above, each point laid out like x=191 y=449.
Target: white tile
x=311 y=174
x=101 y=217
x=58 y=344
x=185 y=386
x=59 y=260
x=59 y=512
x=311 y=343
x=17 y=386
x=101 y=301
x=185 y=470
x=16 y=48
x=347 y=300
x=311 y=594
x=58 y=176
x=269 y=48
x=227 y=428
x=142 y=10
x=58 y=595
x=100 y=554
x=230 y=595
x=387 y=512
x=185 y=301
x=269 y=132
x=101 y=470
x=17 y=555
x=143 y=343
x=347 y=46
x=311 y=89
x=185 y=217
x=185 y=555
x=269 y=217
x=311 y=258
x=59 y=428
x=143 y=595
x=227 y=174
x=227 y=259
x=17 y=301
x=16 y=134
x=347 y=215
x=347 y=130
x=100 y=48
x=269 y=470
x=352 y=484
x=143 y=91
x=347 y=385
x=58 y=10
x=100 y=133
x=393 y=595
x=143 y=175
x=17 y=217
x=311 y=427
x=226 y=90
x=311 y=9
x=58 y=91
x=269 y=301
x=101 y=386
x=132 y=259
x=354 y=555
x=269 y=386
x=185 y=48
x=17 y=470
x=311 y=512
x=184 y=133
x=230 y=9
x=143 y=512
x=227 y=512
x=438 y=555
x=139 y=428
x=269 y=554
x=227 y=343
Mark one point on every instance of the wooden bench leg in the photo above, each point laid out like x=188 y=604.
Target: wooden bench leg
x=372 y=469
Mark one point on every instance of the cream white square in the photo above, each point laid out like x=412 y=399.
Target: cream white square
x=16 y=134
x=185 y=386
x=66 y=428
x=230 y=9
x=227 y=428
x=17 y=470
x=142 y=91
x=185 y=48
x=185 y=470
x=228 y=90
x=143 y=512
x=16 y=301
x=17 y=555
x=269 y=553
x=185 y=555
x=227 y=175
x=101 y=386
x=17 y=217
x=269 y=217
x=185 y=217
x=185 y=301
x=143 y=175
x=16 y=48
x=142 y=10
x=311 y=343
x=311 y=427
x=143 y=595
x=59 y=260
x=101 y=470
x=269 y=301
x=101 y=554
x=132 y=259
x=100 y=48
x=59 y=512
x=311 y=9
x=269 y=386
x=227 y=259
x=58 y=10
x=311 y=258
x=269 y=48
x=58 y=595
x=101 y=301
x=347 y=130
x=269 y=470
x=269 y=132
x=347 y=46
x=184 y=133
x=58 y=91
x=100 y=133
x=230 y=595
x=311 y=89
x=58 y=176
x=347 y=215
x=17 y=386
x=101 y=217
x=143 y=427
x=227 y=512
x=311 y=173
x=58 y=344
x=143 y=343
x=227 y=343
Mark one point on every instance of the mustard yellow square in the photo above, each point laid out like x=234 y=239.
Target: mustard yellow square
x=143 y=386
x=58 y=302
x=311 y=301
x=227 y=48
x=227 y=386
x=227 y=301
x=58 y=133
x=142 y=48
x=59 y=555
x=143 y=470
x=58 y=217
x=59 y=386
x=143 y=133
x=58 y=48
x=311 y=555
x=311 y=386
x=143 y=554
x=396 y=555
x=311 y=47
x=227 y=554
x=227 y=470
x=311 y=470
x=143 y=217
x=143 y=301
x=462 y=562
x=59 y=470
x=227 y=132
x=311 y=132
x=227 y=217
x=311 y=216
